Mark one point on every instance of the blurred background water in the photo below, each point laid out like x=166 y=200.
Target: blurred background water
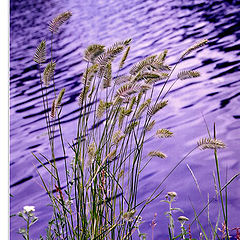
x=154 y=26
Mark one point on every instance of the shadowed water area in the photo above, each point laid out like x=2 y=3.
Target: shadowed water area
x=153 y=26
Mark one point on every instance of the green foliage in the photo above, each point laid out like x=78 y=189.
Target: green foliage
x=99 y=200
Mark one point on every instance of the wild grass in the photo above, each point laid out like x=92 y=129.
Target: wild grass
x=97 y=196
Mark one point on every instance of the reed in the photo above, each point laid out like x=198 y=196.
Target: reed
x=97 y=196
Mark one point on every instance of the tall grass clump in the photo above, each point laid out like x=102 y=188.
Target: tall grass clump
x=96 y=197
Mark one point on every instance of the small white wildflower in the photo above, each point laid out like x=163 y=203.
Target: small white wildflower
x=29 y=209
x=182 y=220
x=172 y=194
x=128 y=216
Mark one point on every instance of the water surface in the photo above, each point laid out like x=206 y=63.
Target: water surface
x=154 y=26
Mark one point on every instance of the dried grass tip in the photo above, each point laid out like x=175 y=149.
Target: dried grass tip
x=157 y=154
x=194 y=47
x=58 y=21
x=40 y=54
x=60 y=96
x=124 y=57
x=117 y=137
x=156 y=107
x=150 y=125
x=164 y=133
x=188 y=74
x=93 y=51
x=83 y=95
x=110 y=54
x=53 y=109
x=209 y=143
x=126 y=90
x=48 y=73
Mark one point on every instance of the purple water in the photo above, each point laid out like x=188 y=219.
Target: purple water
x=153 y=26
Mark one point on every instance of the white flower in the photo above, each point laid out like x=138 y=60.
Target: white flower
x=29 y=209
x=172 y=194
x=182 y=220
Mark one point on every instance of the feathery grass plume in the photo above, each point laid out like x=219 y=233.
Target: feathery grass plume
x=91 y=152
x=209 y=143
x=58 y=21
x=162 y=76
x=142 y=65
x=126 y=112
x=155 y=76
x=126 y=90
x=123 y=44
x=40 y=54
x=117 y=100
x=53 y=109
x=102 y=107
x=112 y=155
x=113 y=51
x=194 y=47
x=158 y=65
x=132 y=102
x=122 y=79
x=164 y=133
x=150 y=125
x=162 y=56
x=89 y=74
x=142 y=108
x=139 y=97
x=127 y=42
x=92 y=91
x=149 y=63
x=107 y=78
x=188 y=74
x=127 y=99
x=60 y=96
x=117 y=137
x=156 y=107
x=82 y=95
x=100 y=110
x=122 y=114
x=92 y=52
x=121 y=117
x=145 y=87
x=157 y=154
x=124 y=57
x=109 y=55
x=131 y=126
x=48 y=73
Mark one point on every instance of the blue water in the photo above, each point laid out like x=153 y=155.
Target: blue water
x=154 y=26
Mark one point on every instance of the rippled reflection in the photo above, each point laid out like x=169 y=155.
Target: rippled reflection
x=154 y=26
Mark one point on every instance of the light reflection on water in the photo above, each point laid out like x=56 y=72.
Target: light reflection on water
x=153 y=26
